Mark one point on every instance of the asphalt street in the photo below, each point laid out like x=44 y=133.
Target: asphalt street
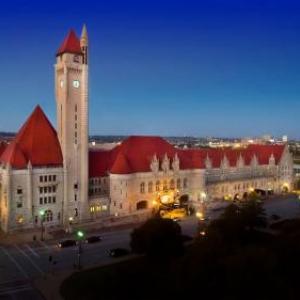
x=20 y=264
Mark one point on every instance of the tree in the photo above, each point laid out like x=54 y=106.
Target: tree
x=253 y=214
x=157 y=238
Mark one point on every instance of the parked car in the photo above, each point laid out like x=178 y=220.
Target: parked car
x=93 y=239
x=118 y=252
x=66 y=243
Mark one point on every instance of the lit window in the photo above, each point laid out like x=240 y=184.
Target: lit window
x=157 y=186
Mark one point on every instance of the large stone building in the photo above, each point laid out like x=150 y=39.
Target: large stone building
x=54 y=172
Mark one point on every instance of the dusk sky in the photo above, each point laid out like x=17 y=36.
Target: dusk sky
x=203 y=68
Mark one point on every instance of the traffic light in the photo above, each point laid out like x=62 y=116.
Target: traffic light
x=80 y=234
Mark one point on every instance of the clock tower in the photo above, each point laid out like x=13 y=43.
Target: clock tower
x=71 y=89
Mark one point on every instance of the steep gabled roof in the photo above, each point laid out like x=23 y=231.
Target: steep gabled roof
x=71 y=44
x=36 y=142
x=136 y=153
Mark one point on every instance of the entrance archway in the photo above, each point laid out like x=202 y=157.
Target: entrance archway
x=142 y=205
x=183 y=199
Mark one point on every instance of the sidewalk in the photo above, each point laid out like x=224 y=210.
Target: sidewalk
x=101 y=225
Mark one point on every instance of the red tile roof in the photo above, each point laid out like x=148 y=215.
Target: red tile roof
x=71 y=44
x=36 y=142
x=136 y=152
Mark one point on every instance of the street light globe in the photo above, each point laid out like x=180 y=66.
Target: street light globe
x=42 y=212
x=70 y=219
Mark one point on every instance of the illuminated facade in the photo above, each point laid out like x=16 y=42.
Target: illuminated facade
x=143 y=171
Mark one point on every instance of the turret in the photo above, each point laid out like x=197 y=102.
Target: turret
x=84 y=44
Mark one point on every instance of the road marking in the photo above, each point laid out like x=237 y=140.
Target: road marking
x=32 y=251
x=14 y=290
x=15 y=262
x=28 y=257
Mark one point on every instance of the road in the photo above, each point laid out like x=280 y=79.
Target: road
x=20 y=264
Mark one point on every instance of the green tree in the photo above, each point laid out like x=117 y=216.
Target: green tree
x=157 y=238
x=252 y=214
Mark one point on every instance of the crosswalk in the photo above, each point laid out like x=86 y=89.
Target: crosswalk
x=14 y=287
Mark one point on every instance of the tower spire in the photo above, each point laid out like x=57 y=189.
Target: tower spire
x=84 y=44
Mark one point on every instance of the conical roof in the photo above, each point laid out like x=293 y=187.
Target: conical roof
x=36 y=142
x=71 y=44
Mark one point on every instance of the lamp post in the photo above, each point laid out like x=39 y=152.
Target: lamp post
x=42 y=214
x=80 y=236
x=70 y=224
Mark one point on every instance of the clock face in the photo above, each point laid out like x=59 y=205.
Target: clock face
x=76 y=84
x=61 y=83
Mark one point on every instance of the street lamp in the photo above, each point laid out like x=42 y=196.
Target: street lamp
x=42 y=214
x=80 y=236
x=70 y=223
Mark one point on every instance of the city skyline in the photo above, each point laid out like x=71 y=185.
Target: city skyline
x=161 y=69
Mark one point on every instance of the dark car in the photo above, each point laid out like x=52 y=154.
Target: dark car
x=118 y=252
x=93 y=239
x=66 y=243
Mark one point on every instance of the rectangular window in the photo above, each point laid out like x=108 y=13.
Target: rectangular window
x=19 y=191
x=45 y=178
x=45 y=200
x=41 y=201
x=50 y=177
x=41 y=178
x=75 y=197
x=45 y=189
x=54 y=189
x=54 y=177
x=49 y=199
x=54 y=199
x=41 y=190
x=19 y=204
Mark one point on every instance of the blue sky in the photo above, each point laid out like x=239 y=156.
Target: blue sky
x=203 y=68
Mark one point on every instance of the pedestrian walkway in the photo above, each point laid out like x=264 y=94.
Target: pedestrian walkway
x=53 y=233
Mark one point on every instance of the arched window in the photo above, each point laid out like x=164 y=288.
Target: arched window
x=178 y=183
x=150 y=187
x=165 y=185
x=172 y=184
x=142 y=187
x=141 y=205
x=185 y=183
x=48 y=216
x=157 y=186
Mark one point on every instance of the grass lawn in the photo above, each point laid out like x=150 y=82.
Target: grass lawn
x=125 y=280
